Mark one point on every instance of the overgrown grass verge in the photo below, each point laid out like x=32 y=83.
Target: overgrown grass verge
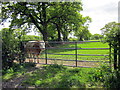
x=58 y=76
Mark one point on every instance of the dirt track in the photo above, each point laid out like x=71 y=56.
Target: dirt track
x=16 y=81
x=69 y=63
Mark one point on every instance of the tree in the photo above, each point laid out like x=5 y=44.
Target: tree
x=24 y=13
x=111 y=33
x=83 y=34
x=82 y=31
x=96 y=37
x=64 y=15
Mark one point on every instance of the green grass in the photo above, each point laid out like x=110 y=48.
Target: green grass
x=80 y=45
x=58 y=76
x=16 y=71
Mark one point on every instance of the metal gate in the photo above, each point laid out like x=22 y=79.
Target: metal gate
x=75 y=54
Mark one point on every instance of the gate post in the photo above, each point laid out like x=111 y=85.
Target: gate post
x=119 y=52
x=110 y=55
x=76 y=52
x=115 y=54
x=45 y=53
x=22 y=52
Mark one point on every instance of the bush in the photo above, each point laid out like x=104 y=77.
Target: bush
x=11 y=48
x=112 y=80
x=105 y=77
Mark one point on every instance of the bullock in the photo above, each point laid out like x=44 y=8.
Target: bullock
x=34 y=48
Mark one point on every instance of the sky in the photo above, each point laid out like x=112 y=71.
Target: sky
x=100 y=11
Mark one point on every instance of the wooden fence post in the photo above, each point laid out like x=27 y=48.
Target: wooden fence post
x=119 y=52
x=110 y=55
x=45 y=53
x=21 y=54
x=115 y=54
x=76 y=52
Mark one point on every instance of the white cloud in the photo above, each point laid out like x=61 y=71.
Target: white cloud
x=101 y=12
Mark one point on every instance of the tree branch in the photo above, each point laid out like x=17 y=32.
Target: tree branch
x=52 y=18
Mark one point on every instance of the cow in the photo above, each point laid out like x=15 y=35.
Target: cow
x=34 y=48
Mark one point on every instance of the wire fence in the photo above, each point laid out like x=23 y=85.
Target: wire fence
x=75 y=54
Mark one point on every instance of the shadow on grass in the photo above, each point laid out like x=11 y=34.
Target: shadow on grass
x=16 y=70
x=54 y=76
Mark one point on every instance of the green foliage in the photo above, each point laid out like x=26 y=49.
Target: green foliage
x=104 y=77
x=9 y=48
x=112 y=80
x=96 y=37
x=110 y=32
x=12 y=47
x=99 y=74
x=83 y=33
x=52 y=19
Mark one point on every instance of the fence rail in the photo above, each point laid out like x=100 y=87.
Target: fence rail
x=72 y=60
x=80 y=54
x=81 y=48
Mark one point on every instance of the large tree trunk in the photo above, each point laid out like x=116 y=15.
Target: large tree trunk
x=58 y=26
x=42 y=30
x=44 y=24
x=81 y=38
x=59 y=34
x=65 y=34
x=45 y=37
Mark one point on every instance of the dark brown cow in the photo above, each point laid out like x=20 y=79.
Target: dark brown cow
x=34 y=48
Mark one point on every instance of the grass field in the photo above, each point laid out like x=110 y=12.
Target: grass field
x=79 y=45
x=88 y=55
